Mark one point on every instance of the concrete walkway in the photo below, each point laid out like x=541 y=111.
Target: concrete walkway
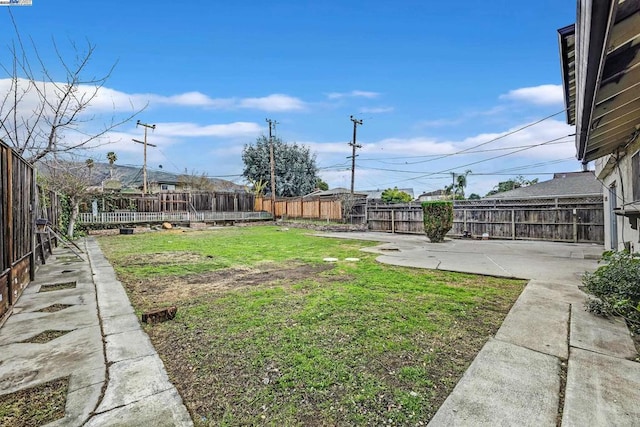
x=518 y=378
x=550 y=363
x=115 y=375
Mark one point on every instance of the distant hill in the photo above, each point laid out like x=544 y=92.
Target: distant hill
x=130 y=177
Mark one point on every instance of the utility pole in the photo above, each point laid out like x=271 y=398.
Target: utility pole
x=272 y=164
x=353 y=145
x=453 y=185
x=145 y=143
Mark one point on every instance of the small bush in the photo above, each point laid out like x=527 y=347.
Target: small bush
x=438 y=219
x=616 y=285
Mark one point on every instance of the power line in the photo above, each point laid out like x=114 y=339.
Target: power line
x=496 y=138
x=453 y=154
x=483 y=160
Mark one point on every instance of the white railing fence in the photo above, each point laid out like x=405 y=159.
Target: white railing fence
x=203 y=216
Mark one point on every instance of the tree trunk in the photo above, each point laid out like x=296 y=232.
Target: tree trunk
x=75 y=210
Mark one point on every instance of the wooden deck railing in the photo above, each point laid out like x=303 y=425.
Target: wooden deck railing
x=137 y=217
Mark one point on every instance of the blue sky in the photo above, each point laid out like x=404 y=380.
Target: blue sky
x=427 y=78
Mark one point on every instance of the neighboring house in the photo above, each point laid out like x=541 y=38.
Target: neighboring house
x=128 y=179
x=563 y=185
x=600 y=58
x=433 y=195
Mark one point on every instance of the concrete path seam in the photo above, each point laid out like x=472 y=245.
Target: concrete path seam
x=132 y=402
x=104 y=342
x=498 y=265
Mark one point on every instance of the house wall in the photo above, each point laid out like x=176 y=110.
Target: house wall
x=620 y=178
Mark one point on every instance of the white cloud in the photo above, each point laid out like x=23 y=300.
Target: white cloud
x=376 y=110
x=538 y=95
x=353 y=94
x=275 y=102
x=107 y=100
x=189 y=130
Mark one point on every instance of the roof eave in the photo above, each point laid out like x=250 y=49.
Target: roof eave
x=595 y=19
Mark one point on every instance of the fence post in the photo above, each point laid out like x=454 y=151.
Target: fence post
x=575 y=225
x=464 y=221
x=513 y=224
x=393 y=221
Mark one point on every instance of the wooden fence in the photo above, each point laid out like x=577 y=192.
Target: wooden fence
x=172 y=202
x=305 y=208
x=21 y=202
x=579 y=220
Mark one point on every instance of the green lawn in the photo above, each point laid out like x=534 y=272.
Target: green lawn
x=269 y=334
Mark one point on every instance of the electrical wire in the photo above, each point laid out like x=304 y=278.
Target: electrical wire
x=468 y=152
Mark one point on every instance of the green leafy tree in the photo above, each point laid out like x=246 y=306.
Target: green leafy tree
x=321 y=185
x=474 y=196
x=295 y=167
x=511 y=184
x=393 y=195
x=455 y=190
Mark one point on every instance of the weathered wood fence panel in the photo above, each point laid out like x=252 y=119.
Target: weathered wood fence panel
x=580 y=223
x=18 y=207
x=174 y=202
x=584 y=225
x=404 y=218
x=20 y=203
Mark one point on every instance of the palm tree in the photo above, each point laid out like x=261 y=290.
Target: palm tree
x=111 y=156
x=461 y=183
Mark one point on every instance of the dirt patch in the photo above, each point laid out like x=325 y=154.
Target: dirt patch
x=57 y=286
x=165 y=258
x=164 y=291
x=54 y=308
x=35 y=406
x=46 y=336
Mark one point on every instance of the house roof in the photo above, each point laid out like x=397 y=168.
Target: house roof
x=565 y=184
x=600 y=59
x=334 y=192
x=434 y=193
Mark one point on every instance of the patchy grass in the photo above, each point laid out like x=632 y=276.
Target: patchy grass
x=268 y=334
x=57 y=286
x=35 y=406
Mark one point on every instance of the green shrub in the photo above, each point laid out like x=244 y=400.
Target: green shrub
x=438 y=219
x=616 y=285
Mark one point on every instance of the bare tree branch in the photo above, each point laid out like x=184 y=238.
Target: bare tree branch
x=41 y=115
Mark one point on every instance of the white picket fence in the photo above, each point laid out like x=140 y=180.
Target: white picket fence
x=133 y=217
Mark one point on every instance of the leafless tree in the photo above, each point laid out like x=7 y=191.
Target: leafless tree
x=71 y=178
x=194 y=181
x=42 y=115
